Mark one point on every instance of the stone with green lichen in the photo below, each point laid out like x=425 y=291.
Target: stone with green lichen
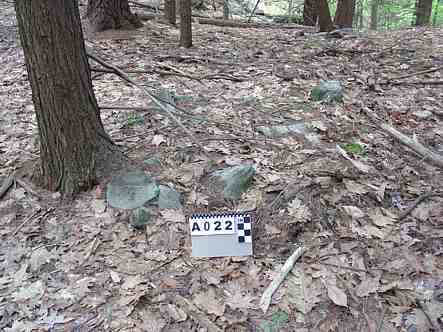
x=328 y=91
x=234 y=181
x=131 y=189
x=168 y=198
x=140 y=217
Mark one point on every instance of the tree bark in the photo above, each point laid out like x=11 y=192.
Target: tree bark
x=170 y=11
x=111 y=14
x=324 y=16
x=73 y=144
x=185 y=23
x=344 y=15
x=310 y=13
x=423 y=12
x=374 y=14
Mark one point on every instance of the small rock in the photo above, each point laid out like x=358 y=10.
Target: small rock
x=329 y=91
x=423 y=115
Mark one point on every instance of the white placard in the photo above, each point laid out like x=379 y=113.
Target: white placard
x=212 y=226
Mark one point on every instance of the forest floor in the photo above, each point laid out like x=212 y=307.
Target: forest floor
x=371 y=263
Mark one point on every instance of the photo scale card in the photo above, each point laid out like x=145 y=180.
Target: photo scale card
x=221 y=234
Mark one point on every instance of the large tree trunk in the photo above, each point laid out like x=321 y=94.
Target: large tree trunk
x=423 y=12
x=170 y=11
x=185 y=23
x=374 y=14
x=310 y=13
x=344 y=15
x=111 y=14
x=324 y=16
x=73 y=142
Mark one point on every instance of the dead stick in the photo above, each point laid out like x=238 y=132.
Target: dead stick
x=155 y=99
x=415 y=204
x=409 y=142
x=26 y=221
x=125 y=108
x=415 y=74
x=412 y=83
x=7 y=183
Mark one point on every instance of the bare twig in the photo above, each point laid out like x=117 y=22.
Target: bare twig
x=31 y=217
x=409 y=142
x=166 y=107
x=266 y=298
x=253 y=11
x=416 y=203
x=415 y=74
x=7 y=183
x=412 y=83
x=94 y=245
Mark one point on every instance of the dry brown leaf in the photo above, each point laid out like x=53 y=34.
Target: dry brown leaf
x=209 y=302
x=132 y=281
x=367 y=286
x=353 y=211
x=337 y=295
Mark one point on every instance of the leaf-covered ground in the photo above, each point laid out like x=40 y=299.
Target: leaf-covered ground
x=371 y=264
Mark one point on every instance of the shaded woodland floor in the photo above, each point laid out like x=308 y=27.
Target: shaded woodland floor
x=79 y=266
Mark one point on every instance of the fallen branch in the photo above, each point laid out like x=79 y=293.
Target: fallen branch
x=412 y=83
x=142 y=5
x=191 y=59
x=233 y=23
x=165 y=107
x=416 y=203
x=415 y=74
x=409 y=142
x=266 y=298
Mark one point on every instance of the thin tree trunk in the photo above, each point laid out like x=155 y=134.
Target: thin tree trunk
x=374 y=14
x=436 y=8
x=226 y=9
x=310 y=13
x=324 y=16
x=344 y=15
x=185 y=23
x=170 y=15
x=111 y=14
x=423 y=12
x=73 y=142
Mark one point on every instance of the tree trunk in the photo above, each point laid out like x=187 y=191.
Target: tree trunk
x=111 y=14
x=324 y=16
x=185 y=23
x=170 y=11
x=310 y=13
x=73 y=144
x=344 y=15
x=436 y=10
x=226 y=9
x=423 y=12
x=374 y=14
